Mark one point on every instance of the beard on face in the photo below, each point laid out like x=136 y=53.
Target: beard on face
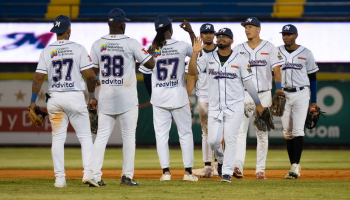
x=223 y=46
x=208 y=43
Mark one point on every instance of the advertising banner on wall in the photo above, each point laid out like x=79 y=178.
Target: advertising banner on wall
x=16 y=128
x=23 y=42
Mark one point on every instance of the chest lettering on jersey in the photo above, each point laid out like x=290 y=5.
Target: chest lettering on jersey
x=296 y=66
x=258 y=63
x=221 y=75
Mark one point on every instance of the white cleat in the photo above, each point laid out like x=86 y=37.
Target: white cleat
x=60 y=181
x=166 y=176
x=295 y=170
x=208 y=171
x=190 y=177
x=89 y=179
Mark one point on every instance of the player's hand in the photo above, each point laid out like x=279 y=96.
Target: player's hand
x=32 y=105
x=312 y=107
x=92 y=104
x=259 y=109
x=151 y=51
x=186 y=26
x=97 y=83
x=197 y=45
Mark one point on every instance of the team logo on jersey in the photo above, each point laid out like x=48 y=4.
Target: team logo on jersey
x=144 y=51
x=103 y=47
x=249 y=69
x=257 y=63
x=53 y=53
x=158 y=52
x=234 y=66
x=279 y=56
x=301 y=58
x=288 y=65
x=264 y=53
x=220 y=75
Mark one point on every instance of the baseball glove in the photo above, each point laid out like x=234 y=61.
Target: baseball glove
x=264 y=122
x=278 y=103
x=93 y=119
x=37 y=116
x=312 y=117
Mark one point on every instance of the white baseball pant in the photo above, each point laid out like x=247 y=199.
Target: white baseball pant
x=128 y=123
x=162 y=124
x=203 y=116
x=262 y=137
x=225 y=129
x=294 y=116
x=65 y=107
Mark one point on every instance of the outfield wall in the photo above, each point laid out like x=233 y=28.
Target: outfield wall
x=16 y=128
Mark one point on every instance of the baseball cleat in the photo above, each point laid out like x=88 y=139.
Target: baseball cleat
x=226 y=179
x=288 y=176
x=60 y=181
x=260 y=175
x=295 y=170
x=126 y=181
x=220 y=169
x=166 y=176
x=237 y=173
x=190 y=177
x=101 y=183
x=208 y=171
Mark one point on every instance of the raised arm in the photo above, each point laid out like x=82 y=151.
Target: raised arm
x=197 y=48
x=188 y=28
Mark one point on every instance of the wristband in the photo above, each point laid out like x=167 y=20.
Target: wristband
x=278 y=85
x=34 y=96
x=96 y=78
x=91 y=95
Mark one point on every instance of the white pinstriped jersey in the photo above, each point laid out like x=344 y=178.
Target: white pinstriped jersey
x=225 y=86
x=297 y=66
x=168 y=76
x=63 y=62
x=262 y=60
x=202 y=83
x=115 y=56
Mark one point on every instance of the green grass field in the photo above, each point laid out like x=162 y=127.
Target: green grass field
x=40 y=158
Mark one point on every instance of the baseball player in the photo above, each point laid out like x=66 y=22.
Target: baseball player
x=299 y=78
x=227 y=72
x=263 y=58
x=169 y=97
x=114 y=54
x=207 y=35
x=65 y=63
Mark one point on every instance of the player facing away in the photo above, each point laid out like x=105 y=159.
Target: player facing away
x=263 y=58
x=299 y=78
x=207 y=35
x=169 y=97
x=115 y=55
x=227 y=73
x=66 y=63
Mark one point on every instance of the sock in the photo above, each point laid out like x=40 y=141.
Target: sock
x=189 y=170
x=207 y=164
x=298 y=148
x=166 y=170
x=290 y=150
x=216 y=160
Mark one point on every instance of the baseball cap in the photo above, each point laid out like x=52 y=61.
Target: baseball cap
x=162 y=21
x=117 y=15
x=289 y=28
x=225 y=31
x=60 y=24
x=251 y=21
x=207 y=28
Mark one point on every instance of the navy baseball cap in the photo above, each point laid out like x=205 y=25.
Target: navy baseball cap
x=225 y=31
x=251 y=21
x=117 y=15
x=289 y=28
x=60 y=24
x=162 y=21
x=207 y=28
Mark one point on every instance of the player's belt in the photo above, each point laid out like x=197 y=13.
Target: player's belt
x=297 y=89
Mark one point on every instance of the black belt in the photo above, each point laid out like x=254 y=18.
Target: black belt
x=293 y=89
x=259 y=91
